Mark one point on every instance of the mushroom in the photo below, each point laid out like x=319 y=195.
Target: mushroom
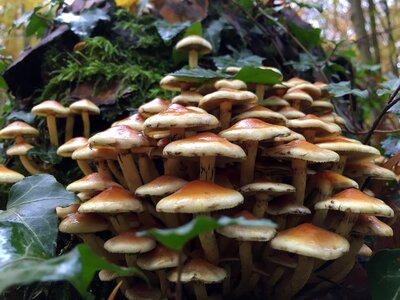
x=251 y=132
x=200 y=272
x=21 y=150
x=262 y=113
x=153 y=107
x=142 y=291
x=63 y=212
x=300 y=153
x=66 y=149
x=320 y=107
x=291 y=113
x=307 y=87
x=69 y=125
x=234 y=84
x=298 y=99
x=274 y=103
x=85 y=107
x=201 y=197
x=9 y=176
x=135 y=121
x=17 y=130
x=51 y=110
x=195 y=45
x=361 y=170
x=188 y=98
x=260 y=87
x=93 y=183
x=309 y=242
x=175 y=84
x=334 y=118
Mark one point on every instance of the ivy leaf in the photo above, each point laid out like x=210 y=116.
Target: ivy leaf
x=256 y=75
x=194 y=29
x=176 y=238
x=46 y=155
x=222 y=62
x=213 y=33
x=247 y=5
x=309 y=38
x=37 y=25
x=22 y=261
x=21 y=115
x=198 y=74
x=384 y=275
x=391 y=145
x=83 y=24
x=343 y=88
x=168 y=31
x=32 y=203
x=388 y=87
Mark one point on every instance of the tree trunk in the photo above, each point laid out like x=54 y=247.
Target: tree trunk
x=392 y=44
x=374 y=35
x=358 y=20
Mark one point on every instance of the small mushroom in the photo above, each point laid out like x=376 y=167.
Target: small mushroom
x=195 y=45
x=85 y=107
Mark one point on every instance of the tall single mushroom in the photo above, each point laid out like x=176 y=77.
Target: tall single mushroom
x=21 y=150
x=195 y=45
x=85 y=107
x=17 y=130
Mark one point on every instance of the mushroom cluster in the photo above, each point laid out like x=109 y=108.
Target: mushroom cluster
x=235 y=149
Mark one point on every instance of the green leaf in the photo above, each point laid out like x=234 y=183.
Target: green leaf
x=256 y=75
x=21 y=115
x=194 y=29
x=46 y=155
x=343 y=88
x=168 y=31
x=388 y=87
x=247 y=5
x=176 y=238
x=3 y=83
x=303 y=64
x=213 y=33
x=222 y=62
x=391 y=145
x=198 y=74
x=83 y=24
x=22 y=261
x=32 y=203
x=384 y=274
x=37 y=25
x=24 y=19
x=309 y=38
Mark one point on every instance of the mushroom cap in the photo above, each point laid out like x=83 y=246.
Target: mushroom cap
x=320 y=107
x=158 y=258
x=267 y=187
x=188 y=98
x=371 y=225
x=84 y=105
x=129 y=242
x=332 y=179
x=355 y=201
x=142 y=291
x=175 y=84
x=349 y=148
x=294 y=81
x=135 y=121
x=234 y=84
x=178 y=116
x=204 y=144
x=253 y=130
x=52 y=108
x=274 y=102
x=153 y=107
x=66 y=149
x=9 y=176
x=309 y=88
x=83 y=223
x=112 y=200
x=17 y=128
x=365 y=251
x=62 y=212
x=366 y=168
x=194 y=42
x=286 y=205
x=83 y=196
x=232 y=70
x=291 y=137
x=236 y=97
x=262 y=113
x=199 y=196
x=334 y=118
x=312 y=122
x=297 y=95
x=303 y=150
x=198 y=269
x=161 y=186
x=19 y=149
x=247 y=233
x=107 y=275
x=291 y=113
x=91 y=182
x=121 y=137
x=309 y=240
x=87 y=153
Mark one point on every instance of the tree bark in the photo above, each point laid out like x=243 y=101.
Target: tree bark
x=374 y=35
x=392 y=44
x=358 y=20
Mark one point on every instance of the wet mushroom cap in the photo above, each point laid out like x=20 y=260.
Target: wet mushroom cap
x=309 y=240
x=336 y=180
x=162 y=185
x=234 y=84
x=129 y=242
x=267 y=186
x=311 y=122
x=365 y=251
x=349 y=148
x=297 y=95
x=320 y=107
x=291 y=113
x=9 y=176
x=112 y=200
x=309 y=88
x=198 y=270
x=135 y=121
x=194 y=42
x=355 y=201
x=19 y=149
x=371 y=225
x=17 y=128
x=83 y=223
x=158 y=258
x=188 y=98
x=87 y=153
x=91 y=182
x=213 y=100
x=200 y=196
x=50 y=107
x=366 y=168
x=204 y=144
x=274 y=102
x=262 y=113
x=66 y=149
x=153 y=107
x=84 y=105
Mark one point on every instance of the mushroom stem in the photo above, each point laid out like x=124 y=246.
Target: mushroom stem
x=309 y=135
x=96 y=245
x=260 y=90
x=117 y=173
x=69 y=127
x=246 y=261
x=319 y=217
x=207 y=168
x=171 y=166
x=296 y=104
x=52 y=126
x=84 y=166
x=346 y=224
x=131 y=259
x=130 y=171
x=86 y=124
x=226 y=285
x=339 y=166
x=144 y=169
x=193 y=58
x=299 y=168
x=261 y=205
x=30 y=166
x=247 y=166
x=163 y=282
x=209 y=244
x=200 y=291
x=102 y=168
x=225 y=114
x=275 y=277
x=288 y=288
x=361 y=180
x=19 y=139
